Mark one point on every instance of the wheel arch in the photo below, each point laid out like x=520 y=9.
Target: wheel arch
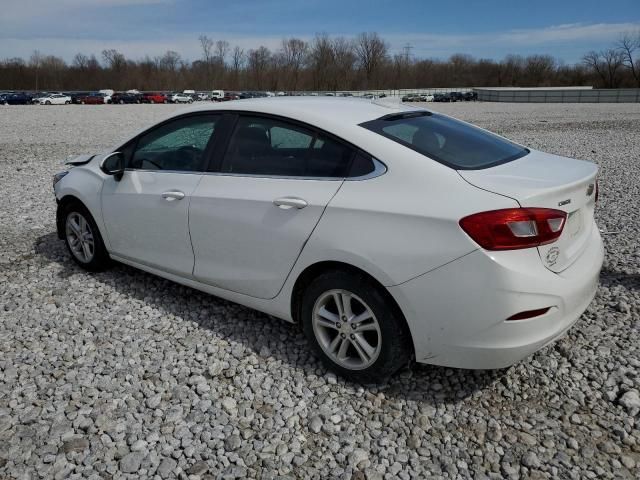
x=316 y=269
x=62 y=205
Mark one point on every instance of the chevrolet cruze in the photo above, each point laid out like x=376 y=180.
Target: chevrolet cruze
x=388 y=232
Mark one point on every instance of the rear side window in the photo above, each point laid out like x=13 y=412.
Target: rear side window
x=272 y=147
x=448 y=141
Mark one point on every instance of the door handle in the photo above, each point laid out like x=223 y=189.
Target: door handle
x=172 y=195
x=286 y=203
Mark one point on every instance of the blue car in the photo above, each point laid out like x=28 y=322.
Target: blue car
x=14 y=99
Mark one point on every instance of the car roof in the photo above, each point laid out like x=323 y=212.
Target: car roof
x=324 y=112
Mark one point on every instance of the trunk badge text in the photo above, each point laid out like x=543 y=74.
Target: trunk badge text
x=590 y=189
x=564 y=202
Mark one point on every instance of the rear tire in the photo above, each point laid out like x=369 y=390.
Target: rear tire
x=83 y=239
x=353 y=326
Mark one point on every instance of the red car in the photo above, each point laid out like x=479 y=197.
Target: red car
x=154 y=97
x=230 y=96
x=92 y=99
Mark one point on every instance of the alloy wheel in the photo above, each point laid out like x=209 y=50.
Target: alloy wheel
x=346 y=329
x=80 y=237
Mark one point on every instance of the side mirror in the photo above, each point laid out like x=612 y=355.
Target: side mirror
x=113 y=164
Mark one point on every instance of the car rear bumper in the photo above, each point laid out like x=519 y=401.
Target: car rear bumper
x=457 y=313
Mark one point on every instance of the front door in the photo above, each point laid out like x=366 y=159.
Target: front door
x=146 y=212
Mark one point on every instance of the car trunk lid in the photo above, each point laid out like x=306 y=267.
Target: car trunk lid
x=548 y=181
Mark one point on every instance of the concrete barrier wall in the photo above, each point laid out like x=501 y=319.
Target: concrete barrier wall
x=620 y=95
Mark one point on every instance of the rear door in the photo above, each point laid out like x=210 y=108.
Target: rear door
x=250 y=219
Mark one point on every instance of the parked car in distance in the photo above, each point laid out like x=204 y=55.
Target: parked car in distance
x=470 y=96
x=413 y=97
x=456 y=96
x=217 y=95
x=389 y=233
x=154 y=97
x=442 y=97
x=126 y=97
x=181 y=98
x=36 y=95
x=53 y=99
x=230 y=96
x=76 y=96
x=107 y=94
x=15 y=99
x=94 y=98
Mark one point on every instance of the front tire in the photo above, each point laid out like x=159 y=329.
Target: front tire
x=83 y=239
x=354 y=327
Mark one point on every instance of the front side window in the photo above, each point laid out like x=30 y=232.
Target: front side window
x=178 y=145
x=448 y=141
x=271 y=147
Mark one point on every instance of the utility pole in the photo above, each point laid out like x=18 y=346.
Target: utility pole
x=406 y=51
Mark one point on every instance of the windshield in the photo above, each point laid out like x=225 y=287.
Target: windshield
x=448 y=141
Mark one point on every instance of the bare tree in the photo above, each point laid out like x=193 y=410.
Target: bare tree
x=207 y=55
x=371 y=51
x=628 y=45
x=222 y=50
x=257 y=63
x=539 y=69
x=293 y=53
x=237 y=62
x=325 y=63
x=207 y=48
x=80 y=61
x=320 y=60
x=606 y=64
x=114 y=59
x=170 y=60
x=35 y=60
x=343 y=59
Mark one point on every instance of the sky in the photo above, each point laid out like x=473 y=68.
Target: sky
x=566 y=29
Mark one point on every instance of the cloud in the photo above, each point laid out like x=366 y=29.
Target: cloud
x=187 y=46
x=568 y=41
x=553 y=39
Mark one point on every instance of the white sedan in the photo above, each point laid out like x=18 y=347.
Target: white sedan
x=53 y=99
x=389 y=232
x=181 y=98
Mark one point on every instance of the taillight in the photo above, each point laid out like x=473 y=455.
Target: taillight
x=597 y=192
x=514 y=228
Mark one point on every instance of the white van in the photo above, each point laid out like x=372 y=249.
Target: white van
x=217 y=95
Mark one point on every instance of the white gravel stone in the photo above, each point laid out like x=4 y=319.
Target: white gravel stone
x=123 y=374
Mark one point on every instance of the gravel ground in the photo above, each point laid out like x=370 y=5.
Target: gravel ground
x=122 y=374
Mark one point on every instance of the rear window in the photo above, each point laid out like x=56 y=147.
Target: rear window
x=448 y=141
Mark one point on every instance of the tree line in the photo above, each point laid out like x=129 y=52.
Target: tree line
x=326 y=63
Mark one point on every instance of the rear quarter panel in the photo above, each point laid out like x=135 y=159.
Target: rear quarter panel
x=403 y=223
